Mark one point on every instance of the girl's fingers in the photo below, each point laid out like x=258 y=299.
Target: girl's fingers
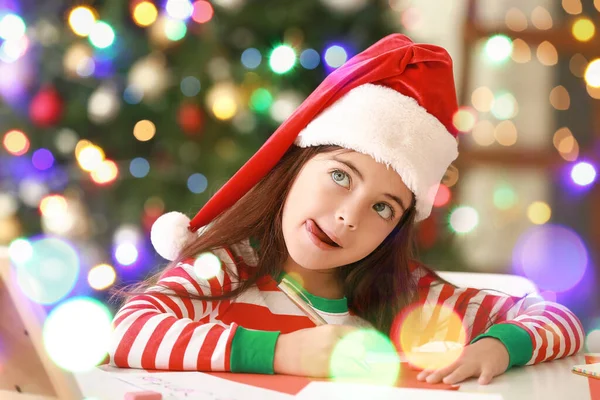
x=438 y=375
x=485 y=377
x=424 y=374
x=459 y=375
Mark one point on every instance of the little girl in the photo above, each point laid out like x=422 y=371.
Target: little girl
x=330 y=201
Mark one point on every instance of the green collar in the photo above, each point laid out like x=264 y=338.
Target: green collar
x=334 y=306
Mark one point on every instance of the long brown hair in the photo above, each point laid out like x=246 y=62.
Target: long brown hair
x=377 y=287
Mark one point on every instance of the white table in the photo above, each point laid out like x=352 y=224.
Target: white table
x=547 y=381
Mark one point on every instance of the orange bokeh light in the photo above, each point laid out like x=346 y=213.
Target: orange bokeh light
x=429 y=336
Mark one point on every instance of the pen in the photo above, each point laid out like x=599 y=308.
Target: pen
x=291 y=292
x=288 y=288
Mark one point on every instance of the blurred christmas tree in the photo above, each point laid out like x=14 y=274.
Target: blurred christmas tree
x=115 y=112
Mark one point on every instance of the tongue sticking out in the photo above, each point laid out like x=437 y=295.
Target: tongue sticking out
x=320 y=234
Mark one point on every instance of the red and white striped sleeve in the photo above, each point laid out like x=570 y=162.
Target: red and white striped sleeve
x=161 y=329
x=532 y=329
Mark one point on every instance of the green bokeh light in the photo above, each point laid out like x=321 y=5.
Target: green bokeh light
x=49 y=272
x=365 y=356
x=261 y=100
x=175 y=29
x=504 y=197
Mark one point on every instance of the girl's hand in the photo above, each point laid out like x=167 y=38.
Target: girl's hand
x=307 y=352
x=484 y=359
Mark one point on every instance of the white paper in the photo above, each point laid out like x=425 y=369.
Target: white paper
x=351 y=391
x=173 y=386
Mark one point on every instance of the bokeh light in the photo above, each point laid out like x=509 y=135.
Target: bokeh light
x=430 y=336
x=222 y=101
x=77 y=334
x=335 y=56
x=577 y=65
x=583 y=29
x=498 y=48
x=50 y=273
x=310 y=59
x=12 y=50
x=442 y=196
x=126 y=253
x=547 y=54
x=197 y=183
x=505 y=106
x=515 y=19
x=464 y=119
x=553 y=256
x=145 y=13
x=81 y=20
x=521 y=52
x=101 y=35
x=559 y=98
x=365 y=347
x=12 y=27
x=261 y=100
x=179 y=9
x=53 y=205
x=20 y=250
x=105 y=173
x=505 y=133
x=251 y=58
x=144 y=130
x=541 y=18
x=539 y=212
x=175 y=29
x=463 y=219
x=483 y=133
x=572 y=7
x=190 y=86
x=16 y=142
x=139 y=167
x=282 y=59
x=207 y=266
x=89 y=156
x=592 y=73
x=504 y=197
x=203 y=12
x=583 y=173
x=566 y=144
x=101 y=277
x=482 y=99
x=42 y=159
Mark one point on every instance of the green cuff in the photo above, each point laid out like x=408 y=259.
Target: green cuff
x=253 y=351
x=516 y=340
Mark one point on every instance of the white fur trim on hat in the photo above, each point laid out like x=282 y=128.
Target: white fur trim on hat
x=170 y=233
x=393 y=129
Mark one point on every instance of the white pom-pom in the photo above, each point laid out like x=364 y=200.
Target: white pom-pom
x=170 y=233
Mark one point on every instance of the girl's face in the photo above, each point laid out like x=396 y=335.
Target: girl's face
x=349 y=195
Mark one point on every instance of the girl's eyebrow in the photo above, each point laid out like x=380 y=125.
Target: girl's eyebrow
x=360 y=176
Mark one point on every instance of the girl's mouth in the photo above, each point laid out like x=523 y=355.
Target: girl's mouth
x=318 y=237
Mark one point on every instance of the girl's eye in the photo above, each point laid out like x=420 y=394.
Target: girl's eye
x=339 y=176
x=390 y=213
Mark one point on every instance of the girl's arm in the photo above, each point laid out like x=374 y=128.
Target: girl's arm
x=161 y=329
x=531 y=329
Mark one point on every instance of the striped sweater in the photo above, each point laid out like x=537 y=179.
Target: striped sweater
x=162 y=329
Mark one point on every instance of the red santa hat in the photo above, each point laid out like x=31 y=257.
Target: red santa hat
x=395 y=101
